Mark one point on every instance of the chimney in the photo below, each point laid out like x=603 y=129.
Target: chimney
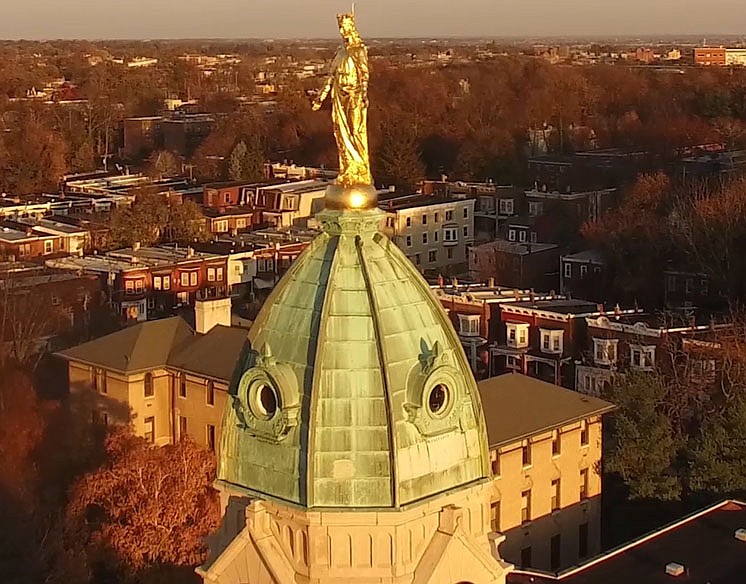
x=190 y=252
x=600 y=308
x=491 y=283
x=392 y=189
x=136 y=246
x=441 y=281
x=532 y=296
x=454 y=282
x=210 y=313
x=618 y=310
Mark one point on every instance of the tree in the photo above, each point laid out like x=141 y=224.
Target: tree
x=641 y=445
x=163 y=163
x=246 y=161
x=153 y=218
x=147 y=506
x=400 y=163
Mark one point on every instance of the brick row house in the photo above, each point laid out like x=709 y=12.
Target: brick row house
x=151 y=282
x=619 y=344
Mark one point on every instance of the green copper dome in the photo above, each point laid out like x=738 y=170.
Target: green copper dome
x=356 y=392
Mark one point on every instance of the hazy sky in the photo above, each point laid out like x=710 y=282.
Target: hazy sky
x=377 y=18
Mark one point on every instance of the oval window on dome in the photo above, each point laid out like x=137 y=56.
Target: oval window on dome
x=439 y=399
x=263 y=401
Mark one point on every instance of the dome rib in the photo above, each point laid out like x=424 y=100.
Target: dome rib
x=385 y=374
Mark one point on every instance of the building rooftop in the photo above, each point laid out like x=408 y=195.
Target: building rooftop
x=517 y=406
x=396 y=202
x=516 y=248
x=704 y=543
x=565 y=306
x=594 y=256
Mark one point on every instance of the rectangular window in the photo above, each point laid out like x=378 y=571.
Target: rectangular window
x=522 y=236
x=551 y=341
x=150 y=429
x=182 y=385
x=138 y=286
x=511 y=235
x=47 y=246
x=409 y=222
x=409 y=241
x=526 y=453
x=535 y=208
x=184 y=279
x=506 y=206
x=211 y=437
x=449 y=253
x=424 y=238
x=642 y=357
x=568 y=270
x=129 y=287
x=210 y=393
x=555 y=550
x=466 y=212
x=584 y=438
x=604 y=351
x=495 y=516
x=556 y=443
x=466 y=231
x=424 y=219
x=583 y=271
x=525 y=506
x=157 y=283
x=449 y=215
x=148 y=383
x=555 y=494
x=435 y=236
x=526 y=557
x=534 y=238
x=210 y=274
x=193 y=279
x=417 y=259
x=583 y=540
x=432 y=257
x=436 y=218
x=583 y=484
x=517 y=335
x=450 y=234
x=495 y=462
x=166 y=282
x=182 y=427
x=219 y=272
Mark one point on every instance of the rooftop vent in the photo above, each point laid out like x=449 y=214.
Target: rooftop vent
x=741 y=534
x=674 y=569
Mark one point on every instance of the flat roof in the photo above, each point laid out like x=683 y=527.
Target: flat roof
x=517 y=406
x=704 y=543
x=517 y=248
x=560 y=306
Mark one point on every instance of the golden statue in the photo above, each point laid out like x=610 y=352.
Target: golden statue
x=348 y=88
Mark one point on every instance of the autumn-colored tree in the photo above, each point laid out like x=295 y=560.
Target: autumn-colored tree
x=147 y=506
x=153 y=218
x=163 y=163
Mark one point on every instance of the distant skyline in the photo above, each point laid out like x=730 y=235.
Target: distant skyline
x=288 y=19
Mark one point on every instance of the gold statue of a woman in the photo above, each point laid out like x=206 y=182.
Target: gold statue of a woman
x=348 y=88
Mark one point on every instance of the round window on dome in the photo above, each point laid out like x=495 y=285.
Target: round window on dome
x=439 y=399
x=263 y=401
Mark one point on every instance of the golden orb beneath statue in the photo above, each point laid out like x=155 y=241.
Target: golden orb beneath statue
x=354 y=198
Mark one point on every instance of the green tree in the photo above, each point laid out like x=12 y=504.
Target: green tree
x=641 y=445
x=237 y=160
x=400 y=161
x=246 y=161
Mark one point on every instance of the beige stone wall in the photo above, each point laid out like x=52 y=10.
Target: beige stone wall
x=514 y=479
x=443 y=541
x=195 y=409
x=400 y=231
x=125 y=402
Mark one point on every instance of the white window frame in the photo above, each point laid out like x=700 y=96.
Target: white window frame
x=522 y=236
x=157 y=282
x=601 y=347
x=513 y=362
x=583 y=270
x=511 y=234
x=210 y=274
x=552 y=341
x=646 y=357
x=408 y=241
x=48 y=246
x=516 y=334
x=568 y=270
x=506 y=206
x=450 y=234
x=166 y=282
x=424 y=238
x=535 y=208
x=469 y=325
x=193 y=278
x=449 y=215
x=408 y=222
x=219 y=273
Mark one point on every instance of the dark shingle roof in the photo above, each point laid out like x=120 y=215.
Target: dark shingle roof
x=170 y=342
x=517 y=406
x=137 y=348
x=213 y=355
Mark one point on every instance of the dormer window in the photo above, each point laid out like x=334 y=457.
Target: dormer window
x=642 y=357
x=605 y=351
x=469 y=325
x=551 y=341
x=517 y=335
x=511 y=235
x=506 y=206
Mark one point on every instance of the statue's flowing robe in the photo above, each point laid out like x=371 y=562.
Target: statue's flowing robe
x=350 y=76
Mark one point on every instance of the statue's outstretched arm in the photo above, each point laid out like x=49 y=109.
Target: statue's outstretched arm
x=319 y=101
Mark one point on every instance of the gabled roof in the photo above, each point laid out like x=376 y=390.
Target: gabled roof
x=517 y=406
x=137 y=348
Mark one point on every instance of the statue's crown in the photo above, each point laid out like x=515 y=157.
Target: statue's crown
x=345 y=16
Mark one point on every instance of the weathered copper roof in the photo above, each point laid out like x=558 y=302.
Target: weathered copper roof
x=354 y=347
